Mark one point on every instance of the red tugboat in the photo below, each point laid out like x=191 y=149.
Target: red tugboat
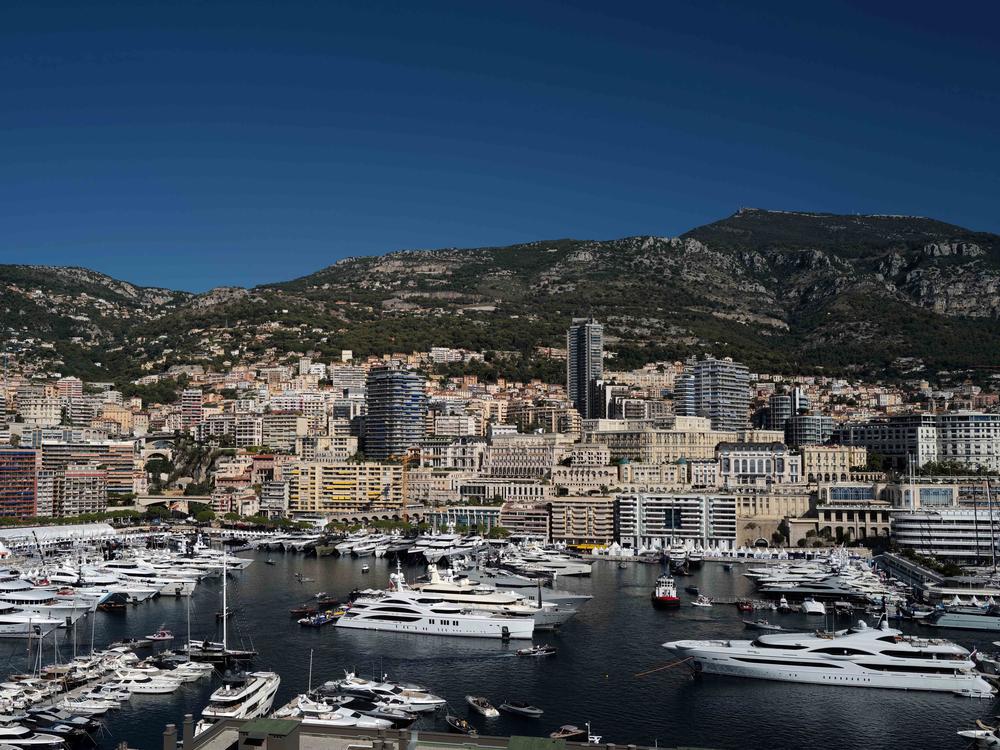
x=665 y=593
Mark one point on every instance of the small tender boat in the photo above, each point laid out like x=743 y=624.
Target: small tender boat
x=225 y=614
x=365 y=568
x=269 y=561
x=320 y=619
x=161 y=635
x=482 y=705
x=521 y=708
x=693 y=590
x=760 y=625
x=744 y=605
x=727 y=567
x=461 y=726
x=568 y=732
x=543 y=649
x=622 y=565
x=132 y=643
x=783 y=606
x=812 y=607
x=702 y=601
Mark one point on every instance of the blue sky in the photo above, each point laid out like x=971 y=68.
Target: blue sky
x=195 y=144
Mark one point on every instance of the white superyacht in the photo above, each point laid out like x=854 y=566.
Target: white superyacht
x=858 y=657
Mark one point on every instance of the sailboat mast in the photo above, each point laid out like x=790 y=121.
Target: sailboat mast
x=993 y=537
x=225 y=606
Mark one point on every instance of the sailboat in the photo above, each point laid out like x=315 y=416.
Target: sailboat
x=213 y=651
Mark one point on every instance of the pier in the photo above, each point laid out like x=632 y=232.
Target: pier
x=292 y=734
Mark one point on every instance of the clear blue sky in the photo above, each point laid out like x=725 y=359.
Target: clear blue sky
x=193 y=144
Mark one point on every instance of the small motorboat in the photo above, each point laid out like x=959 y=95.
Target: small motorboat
x=543 y=649
x=702 y=601
x=760 y=625
x=783 y=606
x=622 y=565
x=568 y=732
x=461 y=726
x=320 y=619
x=693 y=590
x=269 y=561
x=365 y=568
x=744 y=605
x=132 y=643
x=161 y=635
x=521 y=708
x=482 y=705
x=225 y=615
x=306 y=610
x=728 y=567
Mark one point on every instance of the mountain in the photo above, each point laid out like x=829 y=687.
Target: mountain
x=782 y=291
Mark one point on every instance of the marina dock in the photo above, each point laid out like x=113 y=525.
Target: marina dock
x=290 y=734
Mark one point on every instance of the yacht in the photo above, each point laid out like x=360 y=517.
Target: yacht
x=16 y=623
x=247 y=697
x=859 y=657
x=145 y=684
x=322 y=713
x=13 y=734
x=965 y=618
x=463 y=591
x=425 y=614
x=412 y=697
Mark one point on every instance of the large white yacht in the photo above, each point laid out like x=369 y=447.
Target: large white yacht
x=248 y=698
x=860 y=657
x=427 y=614
x=16 y=623
x=463 y=591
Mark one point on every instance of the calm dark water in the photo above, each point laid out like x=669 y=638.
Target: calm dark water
x=593 y=677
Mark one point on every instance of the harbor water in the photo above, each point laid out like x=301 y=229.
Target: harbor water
x=597 y=675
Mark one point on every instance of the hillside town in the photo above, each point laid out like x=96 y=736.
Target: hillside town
x=701 y=451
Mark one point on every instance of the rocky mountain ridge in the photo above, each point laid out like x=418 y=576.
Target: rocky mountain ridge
x=780 y=290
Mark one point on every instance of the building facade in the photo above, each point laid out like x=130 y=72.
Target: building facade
x=396 y=409
x=718 y=389
x=584 y=365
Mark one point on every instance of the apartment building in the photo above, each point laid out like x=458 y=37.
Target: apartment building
x=81 y=489
x=18 y=487
x=689 y=438
x=664 y=518
x=524 y=456
x=582 y=520
x=718 y=389
x=526 y=519
x=327 y=487
x=831 y=463
x=971 y=438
